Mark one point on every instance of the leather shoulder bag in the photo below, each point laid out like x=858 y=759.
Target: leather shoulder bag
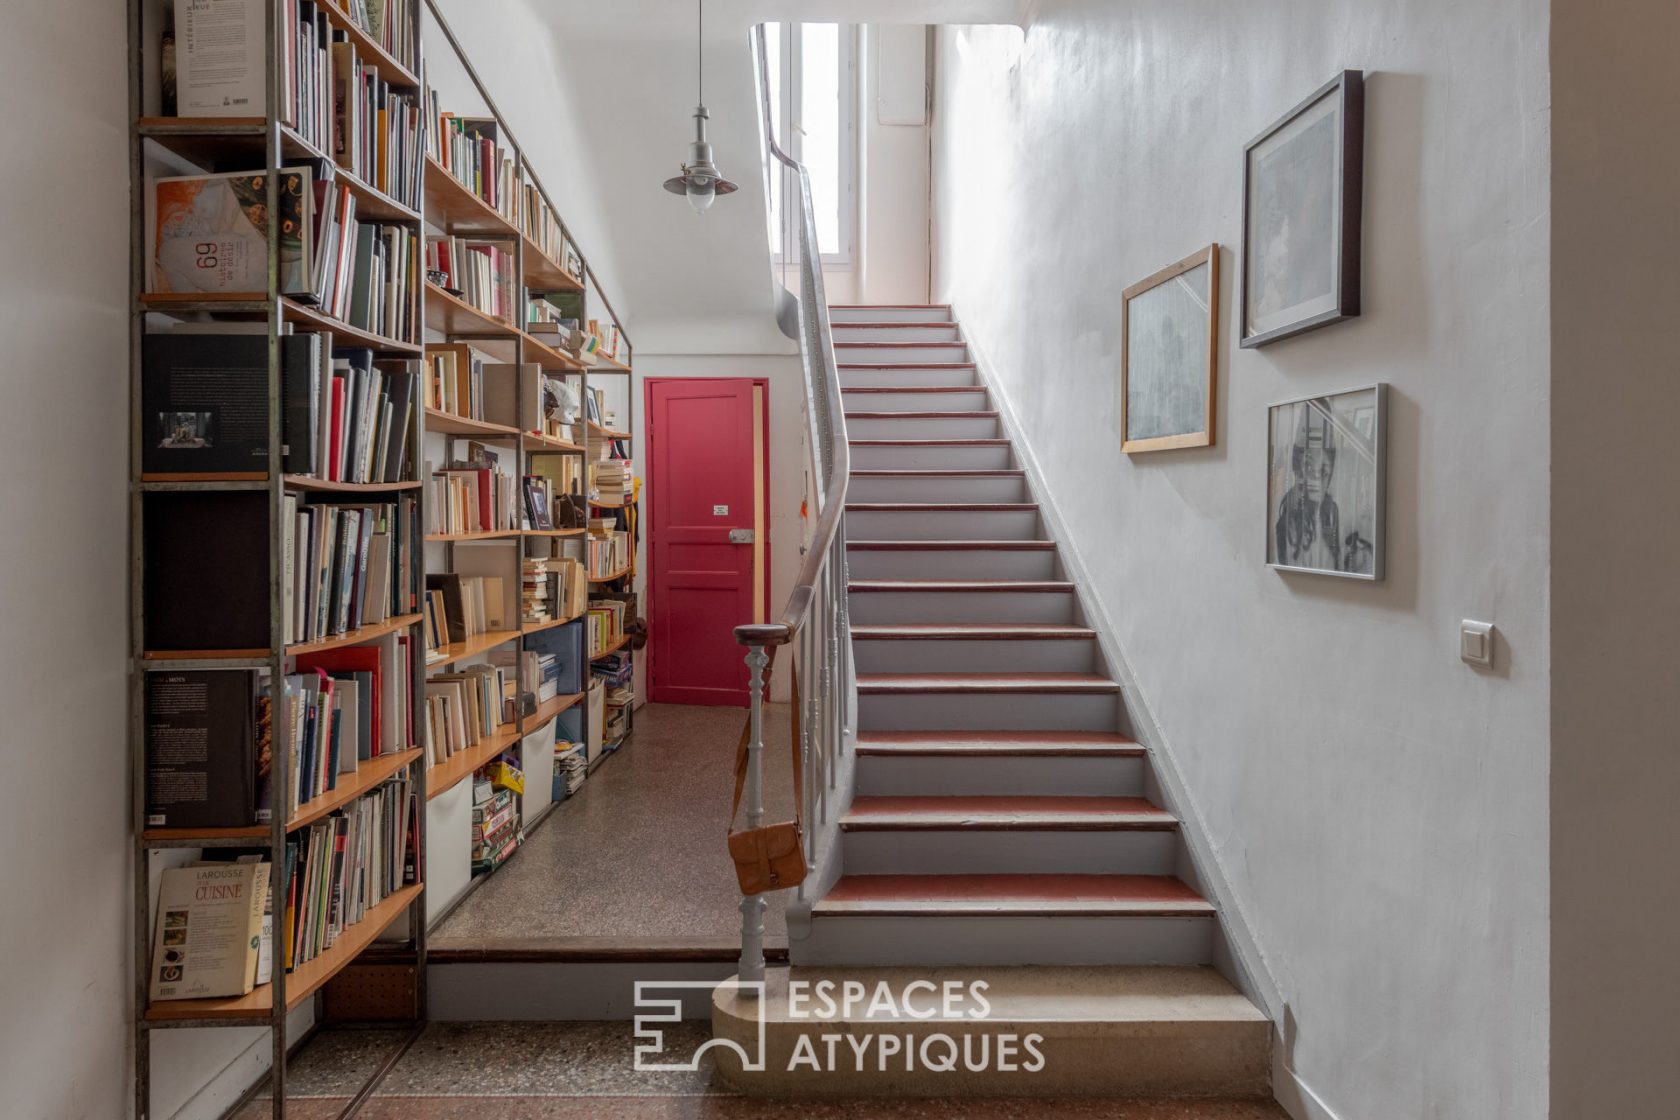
x=770 y=857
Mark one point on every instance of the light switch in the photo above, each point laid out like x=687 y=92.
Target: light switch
x=1475 y=643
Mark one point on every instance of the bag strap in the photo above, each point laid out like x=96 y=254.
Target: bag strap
x=793 y=738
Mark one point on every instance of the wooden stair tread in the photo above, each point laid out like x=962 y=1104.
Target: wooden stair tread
x=1004 y=813
x=884 y=684
x=952 y=546
x=904 y=365
x=982 y=631
x=987 y=744
x=965 y=415
x=912 y=388
x=974 y=441
x=917 y=342
x=976 y=585
x=1007 y=895
x=977 y=472
x=937 y=507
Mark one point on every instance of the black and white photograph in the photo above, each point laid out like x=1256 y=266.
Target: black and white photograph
x=1301 y=215
x=1325 y=486
x=185 y=431
x=1167 y=360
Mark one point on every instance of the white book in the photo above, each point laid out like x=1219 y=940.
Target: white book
x=209 y=927
x=219 y=58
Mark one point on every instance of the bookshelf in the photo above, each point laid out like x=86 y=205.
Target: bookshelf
x=405 y=199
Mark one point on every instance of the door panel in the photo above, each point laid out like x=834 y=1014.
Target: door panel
x=701 y=486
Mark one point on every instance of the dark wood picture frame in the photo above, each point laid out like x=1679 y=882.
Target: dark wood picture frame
x=1166 y=442
x=1348 y=91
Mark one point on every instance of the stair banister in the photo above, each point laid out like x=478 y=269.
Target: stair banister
x=814 y=621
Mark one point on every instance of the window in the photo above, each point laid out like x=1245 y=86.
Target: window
x=813 y=96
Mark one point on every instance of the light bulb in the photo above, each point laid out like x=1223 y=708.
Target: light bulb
x=701 y=194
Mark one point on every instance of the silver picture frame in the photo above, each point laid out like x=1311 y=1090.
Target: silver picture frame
x=1327 y=484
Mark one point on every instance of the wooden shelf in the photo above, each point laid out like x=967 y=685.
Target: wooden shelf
x=608 y=433
x=206 y=654
x=305 y=482
x=213 y=140
x=437 y=420
x=539 y=627
x=369 y=52
x=445 y=775
x=368 y=775
x=548 y=533
x=552 y=443
x=303 y=981
x=452 y=315
x=354 y=637
x=545 y=274
x=623 y=640
x=608 y=505
x=609 y=577
x=612 y=363
x=548 y=709
x=310 y=318
x=492 y=535
x=478 y=643
x=256 y=305
x=454 y=209
x=547 y=356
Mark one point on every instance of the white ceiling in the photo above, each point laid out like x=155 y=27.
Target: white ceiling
x=612 y=119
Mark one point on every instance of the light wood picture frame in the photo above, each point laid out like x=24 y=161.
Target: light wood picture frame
x=1169 y=356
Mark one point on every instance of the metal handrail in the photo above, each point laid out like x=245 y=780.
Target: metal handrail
x=814 y=620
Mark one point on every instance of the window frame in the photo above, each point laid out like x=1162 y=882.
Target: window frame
x=788 y=103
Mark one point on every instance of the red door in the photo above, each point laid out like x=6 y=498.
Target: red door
x=700 y=487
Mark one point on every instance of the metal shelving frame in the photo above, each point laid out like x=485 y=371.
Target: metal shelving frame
x=208 y=136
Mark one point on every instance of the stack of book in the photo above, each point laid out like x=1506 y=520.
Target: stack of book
x=610 y=481
x=571 y=768
x=458 y=607
x=538 y=590
x=481 y=273
x=606 y=624
x=343 y=707
x=208 y=234
x=471 y=498
x=455 y=380
x=346 y=863
x=375 y=129
x=347 y=566
x=465 y=707
x=306 y=77
x=608 y=550
x=547 y=321
x=542 y=226
x=469 y=148
x=390 y=23
x=495 y=829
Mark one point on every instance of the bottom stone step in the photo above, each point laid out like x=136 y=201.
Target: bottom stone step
x=1041 y=1032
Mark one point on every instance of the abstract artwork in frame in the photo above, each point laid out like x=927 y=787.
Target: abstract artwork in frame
x=1327 y=474
x=1302 y=186
x=1168 y=356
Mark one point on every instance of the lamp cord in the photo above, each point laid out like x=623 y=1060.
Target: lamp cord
x=700 y=50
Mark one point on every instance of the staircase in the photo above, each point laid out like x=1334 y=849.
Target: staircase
x=999 y=815
x=1001 y=825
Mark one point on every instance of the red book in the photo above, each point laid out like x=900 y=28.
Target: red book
x=335 y=435
x=348 y=659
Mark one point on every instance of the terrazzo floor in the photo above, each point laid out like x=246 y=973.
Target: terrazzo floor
x=637 y=854
x=584 y=1071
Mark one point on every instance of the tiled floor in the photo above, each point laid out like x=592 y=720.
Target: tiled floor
x=584 y=1071
x=637 y=853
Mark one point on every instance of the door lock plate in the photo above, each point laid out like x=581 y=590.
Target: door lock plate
x=740 y=536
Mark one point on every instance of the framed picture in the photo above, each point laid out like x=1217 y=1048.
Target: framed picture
x=1302 y=182
x=1169 y=327
x=1326 y=484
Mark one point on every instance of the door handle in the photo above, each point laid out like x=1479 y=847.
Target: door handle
x=740 y=536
